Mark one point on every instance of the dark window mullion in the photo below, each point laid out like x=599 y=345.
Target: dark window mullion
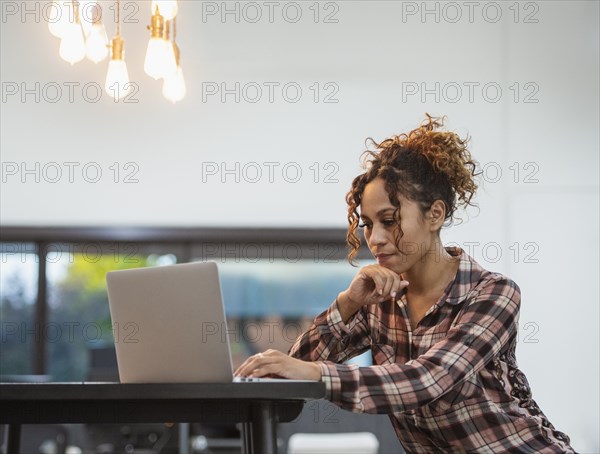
x=187 y=253
x=41 y=311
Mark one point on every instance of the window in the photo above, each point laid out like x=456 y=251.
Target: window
x=272 y=289
x=269 y=303
x=18 y=293
x=79 y=317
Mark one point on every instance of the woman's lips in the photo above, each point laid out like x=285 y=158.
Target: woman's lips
x=383 y=258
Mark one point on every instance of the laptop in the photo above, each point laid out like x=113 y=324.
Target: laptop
x=169 y=325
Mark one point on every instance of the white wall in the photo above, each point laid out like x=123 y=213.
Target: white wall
x=370 y=54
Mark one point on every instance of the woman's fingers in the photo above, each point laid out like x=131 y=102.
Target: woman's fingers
x=258 y=362
x=249 y=365
x=377 y=281
x=396 y=286
x=276 y=363
x=385 y=282
x=265 y=369
x=387 y=285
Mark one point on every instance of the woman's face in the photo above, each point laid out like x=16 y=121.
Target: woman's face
x=379 y=227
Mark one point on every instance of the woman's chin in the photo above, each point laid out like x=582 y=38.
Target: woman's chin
x=390 y=265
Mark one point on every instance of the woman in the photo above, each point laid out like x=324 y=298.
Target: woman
x=442 y=330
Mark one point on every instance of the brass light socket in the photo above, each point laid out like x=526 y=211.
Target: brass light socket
x=156 y=26
x=116 y=46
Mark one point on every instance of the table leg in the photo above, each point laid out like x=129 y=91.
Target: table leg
x=184 y=438
x=246 y=438
x=13 y=440
x=264 y=432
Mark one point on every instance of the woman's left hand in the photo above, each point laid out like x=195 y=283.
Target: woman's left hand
x=274 y=362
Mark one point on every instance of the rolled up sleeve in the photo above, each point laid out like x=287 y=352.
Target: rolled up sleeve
x=330 y=339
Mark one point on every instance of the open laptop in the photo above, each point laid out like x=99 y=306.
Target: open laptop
x=169 y=325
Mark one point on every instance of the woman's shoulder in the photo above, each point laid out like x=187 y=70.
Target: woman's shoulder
x=496 y=279
x=481 y=278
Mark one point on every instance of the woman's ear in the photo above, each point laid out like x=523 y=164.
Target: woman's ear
x=436 y=213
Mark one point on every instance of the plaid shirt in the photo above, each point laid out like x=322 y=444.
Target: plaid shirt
x=450 y=384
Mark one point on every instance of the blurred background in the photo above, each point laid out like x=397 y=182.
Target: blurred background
x=251 y=166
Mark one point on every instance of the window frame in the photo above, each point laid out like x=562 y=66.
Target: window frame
x=316 y=244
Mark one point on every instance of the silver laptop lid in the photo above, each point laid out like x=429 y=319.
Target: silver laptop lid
x=169 y=324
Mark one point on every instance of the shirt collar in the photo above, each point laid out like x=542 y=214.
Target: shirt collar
x=468 y=275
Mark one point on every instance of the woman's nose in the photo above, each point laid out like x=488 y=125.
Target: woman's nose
x=378 y=236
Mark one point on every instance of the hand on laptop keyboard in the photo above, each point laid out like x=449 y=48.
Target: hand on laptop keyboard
x=275 y=363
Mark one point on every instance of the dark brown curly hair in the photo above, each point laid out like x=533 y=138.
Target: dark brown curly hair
x=424 y=165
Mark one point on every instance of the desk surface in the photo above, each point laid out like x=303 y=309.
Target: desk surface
x=100 y=402
x=292 y=390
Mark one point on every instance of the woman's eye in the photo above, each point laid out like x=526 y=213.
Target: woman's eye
x=389 y=222
x=362 y=226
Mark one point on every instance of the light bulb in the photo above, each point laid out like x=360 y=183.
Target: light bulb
x=166 y=8
x=89 y=12
x=174 y=86
x=160 y=60
x=154 y=54
x=72 y=45
x=59 y=18
x=97 y=43
x=117 y=78
x=170 y=64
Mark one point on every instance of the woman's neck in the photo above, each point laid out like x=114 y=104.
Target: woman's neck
x=432 y=273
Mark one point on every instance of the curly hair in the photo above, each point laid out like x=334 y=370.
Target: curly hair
x=424 y=165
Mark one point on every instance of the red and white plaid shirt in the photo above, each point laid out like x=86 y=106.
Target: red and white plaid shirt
x=450 y=384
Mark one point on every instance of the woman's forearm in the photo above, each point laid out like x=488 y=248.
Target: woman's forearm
x=346 y=308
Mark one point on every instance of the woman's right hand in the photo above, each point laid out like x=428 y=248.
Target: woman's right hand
x=373 y=284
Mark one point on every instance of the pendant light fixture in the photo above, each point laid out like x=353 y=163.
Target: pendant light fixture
x=72 y=43
x=160 y=60
x=96 y=43
x=117 y=78
x=78 y=24
x=166 y=8
x=58 y=18
x=174 y=85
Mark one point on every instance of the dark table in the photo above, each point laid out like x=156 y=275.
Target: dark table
x=258 y=406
